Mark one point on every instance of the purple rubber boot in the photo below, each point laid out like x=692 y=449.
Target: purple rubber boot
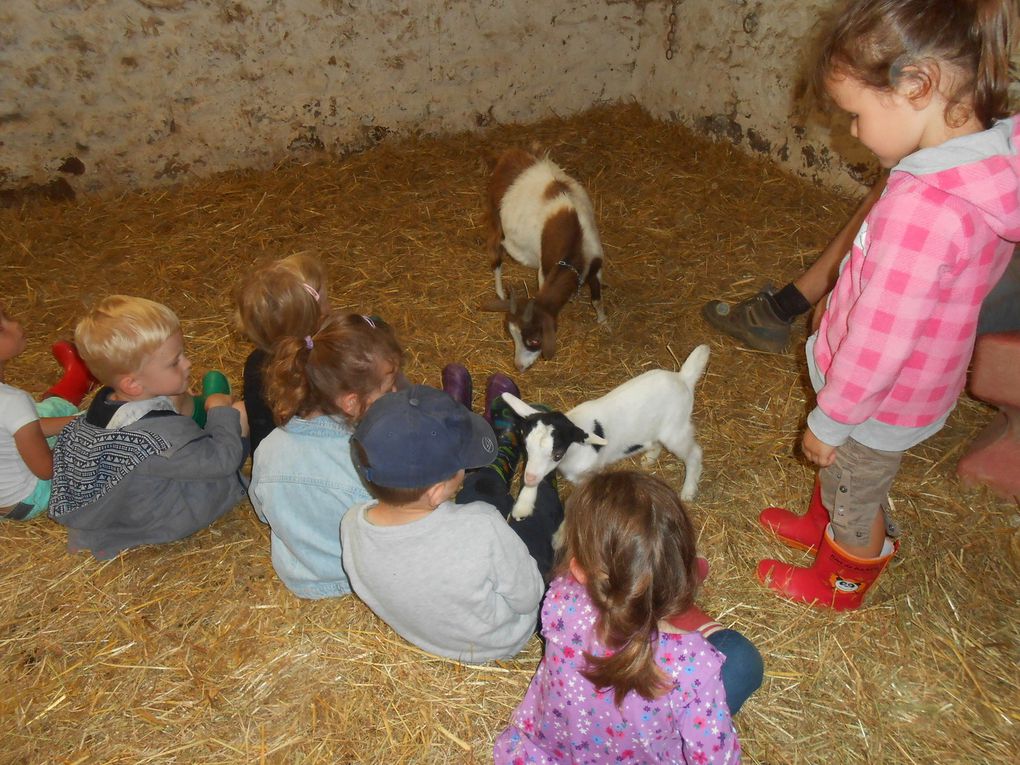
x=457 y=383
x=495 y=386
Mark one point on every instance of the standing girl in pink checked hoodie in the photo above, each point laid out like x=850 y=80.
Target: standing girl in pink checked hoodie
x=925 y=83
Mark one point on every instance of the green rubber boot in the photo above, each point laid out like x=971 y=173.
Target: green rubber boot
x=212 y=382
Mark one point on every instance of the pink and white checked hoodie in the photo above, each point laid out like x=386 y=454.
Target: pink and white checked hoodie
x=899 y=329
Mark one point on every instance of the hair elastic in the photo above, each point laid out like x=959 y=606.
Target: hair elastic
x=308 y=342
x=369 y=320
x=311 y=291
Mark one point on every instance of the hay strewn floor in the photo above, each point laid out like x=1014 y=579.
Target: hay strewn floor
x=195 y=653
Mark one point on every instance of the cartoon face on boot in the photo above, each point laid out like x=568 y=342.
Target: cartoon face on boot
x=839 y=584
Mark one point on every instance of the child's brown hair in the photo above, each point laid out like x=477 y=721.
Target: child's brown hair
x=282 y=298
x=881 y=43
x=630 y=535
x=347 y=353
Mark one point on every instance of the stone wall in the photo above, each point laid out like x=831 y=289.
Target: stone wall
x=142 y=92
x=114 y=93
x=738 y=71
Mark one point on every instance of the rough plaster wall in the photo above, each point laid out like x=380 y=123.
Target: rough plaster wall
x=735 y=74
x=150 y=91
x=142 y=92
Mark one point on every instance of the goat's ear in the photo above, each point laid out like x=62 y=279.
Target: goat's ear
x=548 y=337
x=495 y=305
x=593 y=440
x=522 y=409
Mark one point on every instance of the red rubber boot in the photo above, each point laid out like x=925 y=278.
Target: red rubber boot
x=836 y=580
x=803 y=532
x=77 y=380
x=694 y=619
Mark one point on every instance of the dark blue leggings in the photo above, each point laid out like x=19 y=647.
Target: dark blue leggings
x=743 y=669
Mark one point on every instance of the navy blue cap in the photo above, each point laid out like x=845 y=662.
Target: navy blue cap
x=419 y=436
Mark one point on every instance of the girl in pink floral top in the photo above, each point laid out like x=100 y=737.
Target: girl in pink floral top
x=618 y=683
x=925 y=83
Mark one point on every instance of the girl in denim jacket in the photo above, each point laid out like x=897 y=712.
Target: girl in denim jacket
x=303 y=479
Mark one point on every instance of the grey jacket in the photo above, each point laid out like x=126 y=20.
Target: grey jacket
x=155 y=480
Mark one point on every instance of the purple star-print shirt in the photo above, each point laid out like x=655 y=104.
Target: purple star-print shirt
x=564 y=718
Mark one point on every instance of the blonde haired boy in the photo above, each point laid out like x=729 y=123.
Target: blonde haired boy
x=134 y=470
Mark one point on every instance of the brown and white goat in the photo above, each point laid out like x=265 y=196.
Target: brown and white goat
x=543 y=219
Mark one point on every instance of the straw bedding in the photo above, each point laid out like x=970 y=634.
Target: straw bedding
x=195 y=653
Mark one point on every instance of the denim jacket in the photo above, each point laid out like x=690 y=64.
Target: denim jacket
x=302 y=483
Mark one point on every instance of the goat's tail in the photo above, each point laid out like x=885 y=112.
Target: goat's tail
x=694 y=366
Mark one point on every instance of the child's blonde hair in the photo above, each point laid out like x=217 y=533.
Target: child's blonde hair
x=882 y=43
x=343 y=355
x=631 y=536
x=119 y=332
x=282 y=298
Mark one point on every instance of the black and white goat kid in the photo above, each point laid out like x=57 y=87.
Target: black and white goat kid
x=644 y=414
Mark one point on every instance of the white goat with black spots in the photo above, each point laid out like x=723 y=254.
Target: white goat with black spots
x=644 y=414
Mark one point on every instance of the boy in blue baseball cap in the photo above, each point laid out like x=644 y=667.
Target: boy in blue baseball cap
x=449 y=575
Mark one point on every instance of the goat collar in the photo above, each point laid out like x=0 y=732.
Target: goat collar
x=572 y=267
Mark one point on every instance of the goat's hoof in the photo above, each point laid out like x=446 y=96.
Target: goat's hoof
x=650 y=457
x=687 y=496
x=557 y=538
x=519 y=514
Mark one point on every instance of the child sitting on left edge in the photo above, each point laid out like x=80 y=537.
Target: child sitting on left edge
x=27 y=428
x=133 y=471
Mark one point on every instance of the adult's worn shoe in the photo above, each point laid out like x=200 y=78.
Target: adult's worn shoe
x=753 y=322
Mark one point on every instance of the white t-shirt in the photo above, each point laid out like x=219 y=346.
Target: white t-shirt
x=17 y=409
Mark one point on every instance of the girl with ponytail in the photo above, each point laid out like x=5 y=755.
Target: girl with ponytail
x=925 y=85
x=619 y=682
x=276 y=299
x=303 y=480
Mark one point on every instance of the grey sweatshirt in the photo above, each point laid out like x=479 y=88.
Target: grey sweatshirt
x=457 y=583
